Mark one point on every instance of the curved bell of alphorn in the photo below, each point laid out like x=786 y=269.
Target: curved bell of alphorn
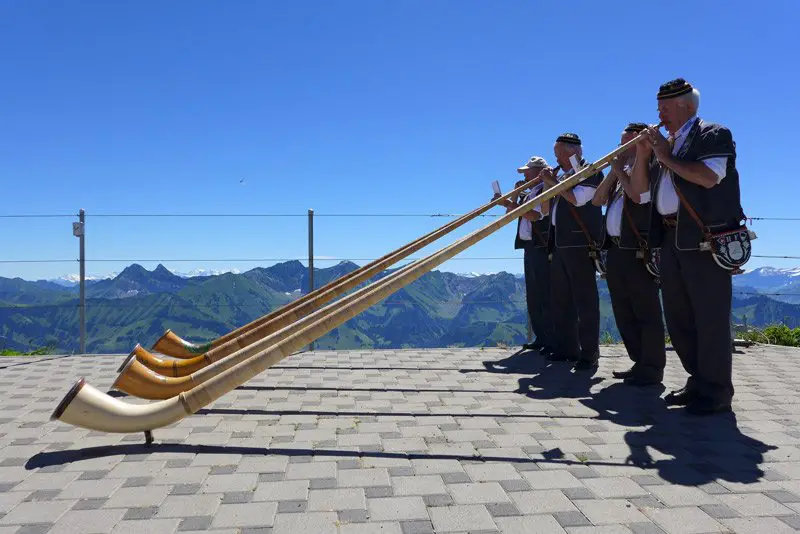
x=163 y=366
x=173 y=345
x=87 y=407
x=137 y=380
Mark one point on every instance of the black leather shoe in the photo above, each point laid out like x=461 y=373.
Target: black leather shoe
x=623 y=374
x=586 y=365
x=681 y=397
x=559 y=357
x=641 y=380
x=531 y=346
x=707 y=407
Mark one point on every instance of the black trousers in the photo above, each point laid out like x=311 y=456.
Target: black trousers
x=637 y=311
x=697 y=297
x=537 y=295
x=575 y=304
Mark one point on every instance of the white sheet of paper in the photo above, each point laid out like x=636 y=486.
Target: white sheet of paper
x=576 y=166
x=496 y=187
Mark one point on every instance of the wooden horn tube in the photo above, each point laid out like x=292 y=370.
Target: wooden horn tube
x=163 y=366
x=172 y=345
x=298 y=309
x=88 y=408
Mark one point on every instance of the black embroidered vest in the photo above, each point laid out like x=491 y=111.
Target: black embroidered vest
x=568 y=232
x=719 y=207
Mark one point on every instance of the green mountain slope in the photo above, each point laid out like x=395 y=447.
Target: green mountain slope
x=439 y=309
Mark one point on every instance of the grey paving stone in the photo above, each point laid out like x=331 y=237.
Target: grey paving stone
x=417 y=527
x=645 y=528
x=791 y=520
x=352 y=516
x=89 y=504
x=289 y=507
x=378 y=491
x=719 y=511
x=35 y=529
x=137 y=482
x=178 y=462
x=93 y=475
x=140 y=513
x=647 y=480
x=571 y=518
x=185 y=489
x=42 y=495
x=646 y=502
x=455 y=478
x=505 y=509
x=271 y=477
x=237 y=497
x=401 y=471
x=322 y=483
x=196 y=523
x=437 y=500
x=223 y=470
x=782 y=496
x=578 y=493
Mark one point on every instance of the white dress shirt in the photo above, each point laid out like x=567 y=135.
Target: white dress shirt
x=583 y=194
x=526 y=226
x=614 y=213
x=667 y=200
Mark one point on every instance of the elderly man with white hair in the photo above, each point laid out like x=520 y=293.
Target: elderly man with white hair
x=575 y=238
x=697 y=221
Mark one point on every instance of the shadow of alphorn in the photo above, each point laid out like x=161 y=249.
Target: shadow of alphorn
x=292 y=312
x=88 y=407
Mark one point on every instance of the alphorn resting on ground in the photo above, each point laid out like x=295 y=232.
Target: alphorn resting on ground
x=88 y=407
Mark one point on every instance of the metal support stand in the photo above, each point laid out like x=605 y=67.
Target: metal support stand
x=79 y=231
x=148 y=437
x=311 y=259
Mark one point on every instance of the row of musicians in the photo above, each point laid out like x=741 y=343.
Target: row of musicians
x=664 y=199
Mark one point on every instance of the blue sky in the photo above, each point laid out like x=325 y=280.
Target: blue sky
x=361 y=107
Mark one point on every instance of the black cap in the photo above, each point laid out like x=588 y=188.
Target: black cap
x=635 y=127
x=674 y=88
x=569 y=138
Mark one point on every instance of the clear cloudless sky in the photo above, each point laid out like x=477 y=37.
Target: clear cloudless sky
x=354 y=107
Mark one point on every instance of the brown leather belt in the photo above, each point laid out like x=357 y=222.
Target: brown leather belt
x=670 y=221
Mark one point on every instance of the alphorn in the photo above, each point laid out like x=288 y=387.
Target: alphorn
x=138 y=380
x=86 y=406
x=173 y=345
x=292 y=312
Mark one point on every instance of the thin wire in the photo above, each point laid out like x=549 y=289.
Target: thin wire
x=162 y=260
x=182 y=215
x=113 y=304
x=206 y=215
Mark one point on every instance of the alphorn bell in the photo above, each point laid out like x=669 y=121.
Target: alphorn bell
x=294 y=311
x=88 y=407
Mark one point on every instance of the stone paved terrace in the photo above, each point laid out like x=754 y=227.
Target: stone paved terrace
x=410 y=441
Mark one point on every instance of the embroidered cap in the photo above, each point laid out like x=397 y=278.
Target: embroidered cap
x=635 y=127
x=533 y=163
x=569 y=138
x=674 y=88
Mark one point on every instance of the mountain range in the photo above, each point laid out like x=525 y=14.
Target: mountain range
x=440 y=309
